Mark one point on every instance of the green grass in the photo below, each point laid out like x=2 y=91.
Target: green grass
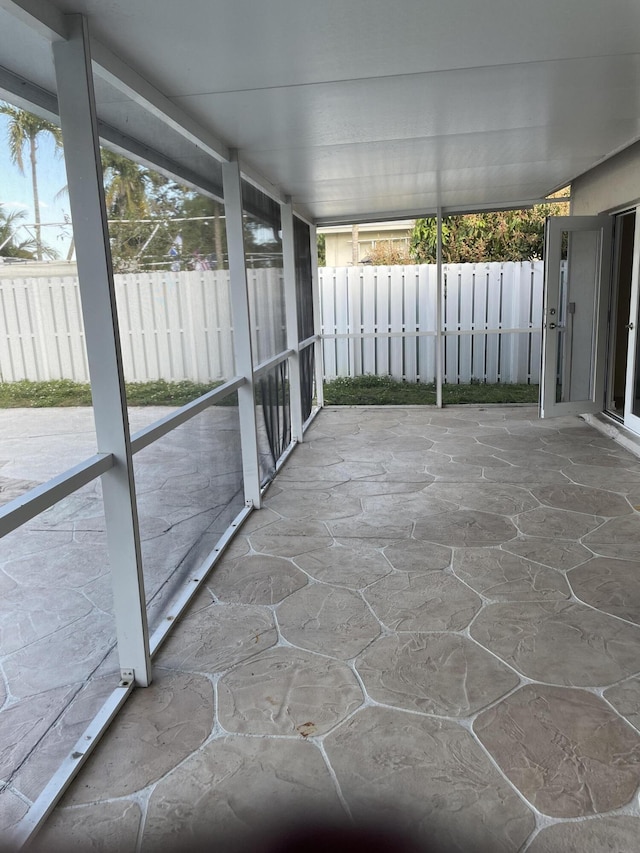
x=356 y=391
x=385 y=391
x=63 y=392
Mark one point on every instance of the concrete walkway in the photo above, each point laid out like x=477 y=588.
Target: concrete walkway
x=434 y=623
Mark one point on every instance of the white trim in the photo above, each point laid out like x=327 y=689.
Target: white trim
x=439 y=297
x=258 y=181
x=125 y=79
x=317 y=317
x=307 y=342
x=632 y=421
x=145 y=437
x=613 y=429
x=42 y=16
x=284 y=456
x=314 y=413
x=291 y=309
x=194 y=583
x=76 y=100
x=428 y=212
x=556 y=226
x=70 y=767
x=22 y=509
x=270 y=363
x=232 y=182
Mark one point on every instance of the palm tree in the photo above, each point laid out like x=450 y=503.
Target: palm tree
x=10 y=246
x=125 y=187
x=24 y=130
x=126 y=192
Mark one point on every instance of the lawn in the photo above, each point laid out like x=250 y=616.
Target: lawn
x=350 y=391
x=383 y=390
x=63 y=392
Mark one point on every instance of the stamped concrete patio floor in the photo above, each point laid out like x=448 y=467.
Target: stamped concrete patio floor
x=435 y=620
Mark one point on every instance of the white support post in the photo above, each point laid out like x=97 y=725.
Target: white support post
x=239 y=295
x=86 y=195
x=317 y=318
x=291 y=305
x=439 y=336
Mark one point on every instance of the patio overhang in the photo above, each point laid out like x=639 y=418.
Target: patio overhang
x=363 y=112
x=333 y=114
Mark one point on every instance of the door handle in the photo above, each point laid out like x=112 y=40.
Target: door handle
x=551 y=326
x=629 y=326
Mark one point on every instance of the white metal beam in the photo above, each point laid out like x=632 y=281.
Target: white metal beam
x=317 y=317
x=153 y=159
x=20 y=510
x=232 y=183
x=28 y=96
x=195 y=582
x=422 y=212
x=41 y=15
x=33 y=98
x=291 y=308
x=47 y=800
x=125 y=79
x=86 y=195
x=46 y=18
x=439 y=293
x=144 y=437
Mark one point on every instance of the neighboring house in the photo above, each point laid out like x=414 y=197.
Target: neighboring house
x=339 y=240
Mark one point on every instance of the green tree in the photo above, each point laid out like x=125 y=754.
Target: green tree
x=125 y=186
x=149 y=215
x=512 y=235
x=23 y=133
x=126 y=191
x=202 y=231
x=10 y=245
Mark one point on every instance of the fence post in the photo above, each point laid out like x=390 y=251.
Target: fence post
x=439 y=310
x=86 y=195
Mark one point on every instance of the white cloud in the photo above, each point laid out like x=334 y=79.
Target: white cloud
x=17 y=204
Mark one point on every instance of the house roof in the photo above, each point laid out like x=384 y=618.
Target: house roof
x=357 y=109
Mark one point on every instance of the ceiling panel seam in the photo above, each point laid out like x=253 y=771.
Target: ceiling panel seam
x=501 y=66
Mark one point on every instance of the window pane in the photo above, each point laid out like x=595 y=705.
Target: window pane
x=189 y=489
x=273 y=417
x=304 y=285
x=576 y=309
x=265 y=279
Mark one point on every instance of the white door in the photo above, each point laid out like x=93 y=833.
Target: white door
x=632 y=390
x=577 y=269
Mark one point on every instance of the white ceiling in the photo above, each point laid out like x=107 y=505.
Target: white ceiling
x=363 y=109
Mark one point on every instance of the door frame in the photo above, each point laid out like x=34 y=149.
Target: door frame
x=630 y=420
x=555 y=228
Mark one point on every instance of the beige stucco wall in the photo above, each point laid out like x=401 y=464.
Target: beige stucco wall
x=610 y=186
x=339 y=251
x=38 y=269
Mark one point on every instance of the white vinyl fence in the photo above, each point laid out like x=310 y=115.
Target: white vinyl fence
x=378 y=320
x=382 y=321
x=173 y=325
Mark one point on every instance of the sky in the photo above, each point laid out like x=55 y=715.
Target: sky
x=16 y=192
